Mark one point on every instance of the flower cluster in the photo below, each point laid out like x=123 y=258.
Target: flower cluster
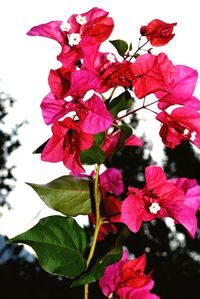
x=87 y=128
x=84 y=68
x=126 y=279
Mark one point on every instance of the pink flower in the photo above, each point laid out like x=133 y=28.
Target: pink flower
x=162 y=198
x=151 y=73
x=81 y=82
x=93 y=24
x=66 y=144
x=94 y=117
x=110 y=210
x=185 y=214
x=118 y=74
x=53 y=109
x=126 y=279
x=158 y=32
x=110 y=142
x=103 y=65
x=74 y=83
x=180 y=89
x=111 y=181
x=171 y=84
x=51 y=30
x=115 y=139
x=182 y=124
x=59 y=81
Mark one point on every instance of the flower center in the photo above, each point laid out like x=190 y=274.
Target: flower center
x=74 y=39
x=65 y=26
x=81 y=20
x=154 y=208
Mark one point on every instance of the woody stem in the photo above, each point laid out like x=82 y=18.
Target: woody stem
x=138 y=49
x=136 y=110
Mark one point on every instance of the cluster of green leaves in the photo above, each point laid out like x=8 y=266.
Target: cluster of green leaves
x=59 y=242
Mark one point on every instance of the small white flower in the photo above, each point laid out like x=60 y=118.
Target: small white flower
x=74 y=39
x=65 y=26
x=81 y=20
x=193 y=136
x=110 y=57
x=185 y=132
x=154 y=208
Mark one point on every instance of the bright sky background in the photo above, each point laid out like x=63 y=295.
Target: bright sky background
x=24 y=66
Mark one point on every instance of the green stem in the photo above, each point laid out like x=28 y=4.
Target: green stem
x=99 y=222
x=138 y=49
x=112 y=93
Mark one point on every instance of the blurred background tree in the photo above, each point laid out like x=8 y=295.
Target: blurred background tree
x=8 y=143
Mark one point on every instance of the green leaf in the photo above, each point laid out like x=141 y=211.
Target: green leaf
x=40 y=148
x=97 y=271
x=126 y=132
x=120 y=45
x=122 y=102
x=59 y=243
x=113 y=256
x=69 y=195
x=93 y=155
x=99 y=138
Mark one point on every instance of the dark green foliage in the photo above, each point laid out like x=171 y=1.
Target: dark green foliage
x=120 y=45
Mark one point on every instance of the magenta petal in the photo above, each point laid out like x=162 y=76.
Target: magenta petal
x=183 y=84
x=192 y=198
x=155 y=177
x=187 y=117
x=192 y=192
x=97 y=119
x=152 y=73
x=72 y=162
x=111 y=180
x=133 y=141
x=81 y=82
x=138 y=264
x=50 y=30
x=53 y=151
x=132 y=212
x=130 y=293
x=184 y=183
x=53 y=109
x=186 y=216
x=111 y=277
x=86 y=141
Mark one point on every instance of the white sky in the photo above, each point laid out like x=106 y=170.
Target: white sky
x=25 y=62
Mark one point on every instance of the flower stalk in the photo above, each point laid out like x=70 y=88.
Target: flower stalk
x=99 y=222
